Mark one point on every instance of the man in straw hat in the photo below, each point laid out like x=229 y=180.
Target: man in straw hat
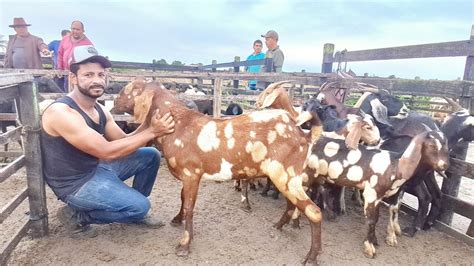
x=23 y=49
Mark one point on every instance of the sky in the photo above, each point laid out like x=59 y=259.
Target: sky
x=201 y=31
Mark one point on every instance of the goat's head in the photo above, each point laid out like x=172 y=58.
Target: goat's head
x=274 y=96
x=355 y=128
x=429 y=147
x=458 y=126
x=382 y=105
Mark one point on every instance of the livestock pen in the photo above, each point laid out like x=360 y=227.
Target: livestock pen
x=37 y=220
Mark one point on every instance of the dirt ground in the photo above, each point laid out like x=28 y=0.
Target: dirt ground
x=224 y=234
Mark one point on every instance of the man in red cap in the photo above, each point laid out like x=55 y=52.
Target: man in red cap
x=23 y=49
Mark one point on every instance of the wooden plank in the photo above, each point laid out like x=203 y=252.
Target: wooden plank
x=30 y=115
x=9 y=246
x=9 y=170
x=10 y=154
x=454 y=233
x=461 y=168
x=11 y=206
x=8 y=93
x=458 y=206
x=443 y=49
x=10 y=79
x=10 y=136
x=217 y=98
x=8 y=116
x=234 y=64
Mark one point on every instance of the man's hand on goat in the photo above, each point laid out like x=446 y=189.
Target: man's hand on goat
x=162 y=125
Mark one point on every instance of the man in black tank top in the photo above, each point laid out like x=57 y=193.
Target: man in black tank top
x=86 y=156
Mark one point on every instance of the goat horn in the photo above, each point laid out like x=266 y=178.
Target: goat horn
x=276 y=84
x=456 y=106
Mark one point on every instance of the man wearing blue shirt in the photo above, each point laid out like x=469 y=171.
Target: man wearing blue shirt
x=256 y=55
x=54 y=46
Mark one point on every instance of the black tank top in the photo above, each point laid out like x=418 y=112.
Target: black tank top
x=65 y=167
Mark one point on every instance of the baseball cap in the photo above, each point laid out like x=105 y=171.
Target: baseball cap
x=271 y=34
x=88 y=53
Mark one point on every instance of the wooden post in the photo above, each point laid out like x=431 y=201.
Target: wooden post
x=214 y=62
x=302 y=85
x=153 y=67
x=291 y=93
x=450 y=185
x=217 y=98
x=34 y=170
x=236 y=70
x=328 y=58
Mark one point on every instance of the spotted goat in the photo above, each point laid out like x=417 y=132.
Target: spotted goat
x=380 y=173
x=261 y=143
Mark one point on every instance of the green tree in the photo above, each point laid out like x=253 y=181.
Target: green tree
x=161 y=62
x=177 y=63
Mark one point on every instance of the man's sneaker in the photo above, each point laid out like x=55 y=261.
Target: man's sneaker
x=68 y=218
x=149 y=221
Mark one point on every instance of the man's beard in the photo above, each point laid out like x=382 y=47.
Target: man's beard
x=87 y=91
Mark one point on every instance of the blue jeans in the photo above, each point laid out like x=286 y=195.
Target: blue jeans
x=106 y=199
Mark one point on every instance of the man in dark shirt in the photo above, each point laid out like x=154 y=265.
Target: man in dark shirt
x=86 y=156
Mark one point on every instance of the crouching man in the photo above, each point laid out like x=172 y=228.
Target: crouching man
x=86 y=156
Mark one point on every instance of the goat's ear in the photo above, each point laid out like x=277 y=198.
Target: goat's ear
x=411 y=157
x=269 y=99
x=142 y=106
x=353 y=137
x=379 y=111
x=138 y=84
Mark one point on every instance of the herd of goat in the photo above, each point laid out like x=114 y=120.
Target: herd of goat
x=378 y=147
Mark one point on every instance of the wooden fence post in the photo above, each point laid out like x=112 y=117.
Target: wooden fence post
x=302 y=85
x=328 y=58
x=214 y=62
x=236 y=70
x=30 y=116
x=217 y=98
x=450 y=186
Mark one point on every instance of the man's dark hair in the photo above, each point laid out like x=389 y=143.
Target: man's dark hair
x=82 y=25
x=64 y=32
x=257 y=41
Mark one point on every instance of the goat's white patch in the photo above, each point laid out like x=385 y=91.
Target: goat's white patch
x=286 y=119
x=305 y=178
x=301 y=148
x=295 y=188
x=331 y=149
x=172 y=162
x=258 y=150
x=291 y=171
x=228 y=130
x=281 y=129
x=335 y=169
x=296 y=214
x=275 y=170
x=178 y=143
x=224 y=174
x=409 y=150
x=266 y=115
x=345 y=163
x=250 y=171
x=243 y=198
x=313 y=213
x=207 y=139
x=469 y=121
x=354 y=156
x=323 y=167
x=438 y=144
x=230 y=143
x=186 y=172
x=370 y=195
x=355 y=173
x=167 y=103
x=197 y=171
x=380 y=161
x=373 y=180
x=320 y=96
x=441 y=164
x=253 y=134
x=313 y=161
x=394 y=187
x=271 y=136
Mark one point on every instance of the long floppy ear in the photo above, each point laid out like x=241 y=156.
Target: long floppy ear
x=143 y=103
x=353 y=137
x=379 y=111
x=411 y=157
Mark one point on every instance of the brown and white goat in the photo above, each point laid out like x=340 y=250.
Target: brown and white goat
x=380 y=173
x=262 y=143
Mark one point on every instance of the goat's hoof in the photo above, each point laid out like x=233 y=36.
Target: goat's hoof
x=409 y=231
x=246 y=208
x=369 y=249
x=237 y=189
x=182 y=251
x=391 y=241
x=264 y=194
x=427 y=225
x=311 y=258
x=296 y=225
x=278 y=226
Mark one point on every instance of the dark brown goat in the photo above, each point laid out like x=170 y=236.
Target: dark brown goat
x=262 y=143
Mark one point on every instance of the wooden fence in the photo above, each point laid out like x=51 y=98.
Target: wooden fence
x=461 y=90
x=20 y=88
